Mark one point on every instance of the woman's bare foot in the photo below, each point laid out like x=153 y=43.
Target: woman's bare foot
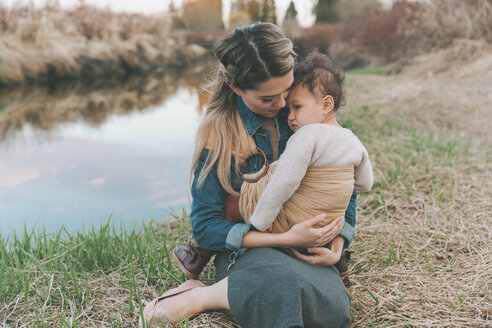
x=174 y=305
x=190 y=298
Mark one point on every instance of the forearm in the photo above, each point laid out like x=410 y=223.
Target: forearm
x=263 y=239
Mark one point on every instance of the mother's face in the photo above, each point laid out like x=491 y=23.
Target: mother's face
x=269 y=97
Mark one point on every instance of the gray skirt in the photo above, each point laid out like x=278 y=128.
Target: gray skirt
x=268 y=288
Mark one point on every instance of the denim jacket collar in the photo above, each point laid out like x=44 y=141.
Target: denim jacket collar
x=250 y=120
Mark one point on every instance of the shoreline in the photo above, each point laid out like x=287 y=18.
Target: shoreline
x=86 y=68
x=51 y=45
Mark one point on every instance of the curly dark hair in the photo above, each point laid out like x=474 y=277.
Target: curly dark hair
x=322 y=77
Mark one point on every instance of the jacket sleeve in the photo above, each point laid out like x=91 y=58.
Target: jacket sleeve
x=210 y=229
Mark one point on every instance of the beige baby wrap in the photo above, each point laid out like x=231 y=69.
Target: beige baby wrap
x=325 y=189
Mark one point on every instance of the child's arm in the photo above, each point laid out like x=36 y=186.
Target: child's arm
x=363 y=172
x=288 y=174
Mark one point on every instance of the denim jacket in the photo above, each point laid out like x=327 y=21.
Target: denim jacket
x=210 y=229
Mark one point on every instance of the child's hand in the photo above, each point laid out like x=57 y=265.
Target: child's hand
x=319 y=256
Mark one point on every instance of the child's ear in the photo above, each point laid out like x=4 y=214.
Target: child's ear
x=328 y=104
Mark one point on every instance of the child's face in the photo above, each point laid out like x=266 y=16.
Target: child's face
x=304 y=108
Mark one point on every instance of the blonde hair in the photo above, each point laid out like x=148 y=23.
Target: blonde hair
x=247 y=57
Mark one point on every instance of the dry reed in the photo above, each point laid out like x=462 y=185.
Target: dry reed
x=410 y=29
x=49 y=44
x=464 y=58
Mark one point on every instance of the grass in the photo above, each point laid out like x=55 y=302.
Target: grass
x=421 y=257
x=422 y=253
x=87 y=278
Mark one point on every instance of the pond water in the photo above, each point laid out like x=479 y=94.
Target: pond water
x=75 y=155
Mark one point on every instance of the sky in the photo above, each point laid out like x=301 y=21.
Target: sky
x=304 y=7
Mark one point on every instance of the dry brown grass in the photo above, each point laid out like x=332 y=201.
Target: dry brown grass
x=464 y=58
x=49 y=43
x=422 y=253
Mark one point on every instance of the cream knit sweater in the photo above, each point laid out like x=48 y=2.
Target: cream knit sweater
x=313 y=145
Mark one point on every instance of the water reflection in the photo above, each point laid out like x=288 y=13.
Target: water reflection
x=44 y=107
x=76 y=154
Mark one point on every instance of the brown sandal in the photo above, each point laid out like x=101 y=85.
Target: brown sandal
x=159 y=316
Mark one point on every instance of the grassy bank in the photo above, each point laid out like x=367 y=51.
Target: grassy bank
x=421 y=257
x=50 y=44
x=422 y=252
x=92 y=278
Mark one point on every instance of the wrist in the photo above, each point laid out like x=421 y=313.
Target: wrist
x=282 y=239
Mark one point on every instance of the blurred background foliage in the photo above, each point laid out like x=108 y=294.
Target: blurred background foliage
x=51 y=43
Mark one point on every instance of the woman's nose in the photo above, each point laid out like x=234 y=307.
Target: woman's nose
x=280 y=103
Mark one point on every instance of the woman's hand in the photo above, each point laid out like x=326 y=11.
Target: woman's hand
x=304 y=234
x=319 y=256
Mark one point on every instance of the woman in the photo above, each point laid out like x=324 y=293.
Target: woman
x=263 y=286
